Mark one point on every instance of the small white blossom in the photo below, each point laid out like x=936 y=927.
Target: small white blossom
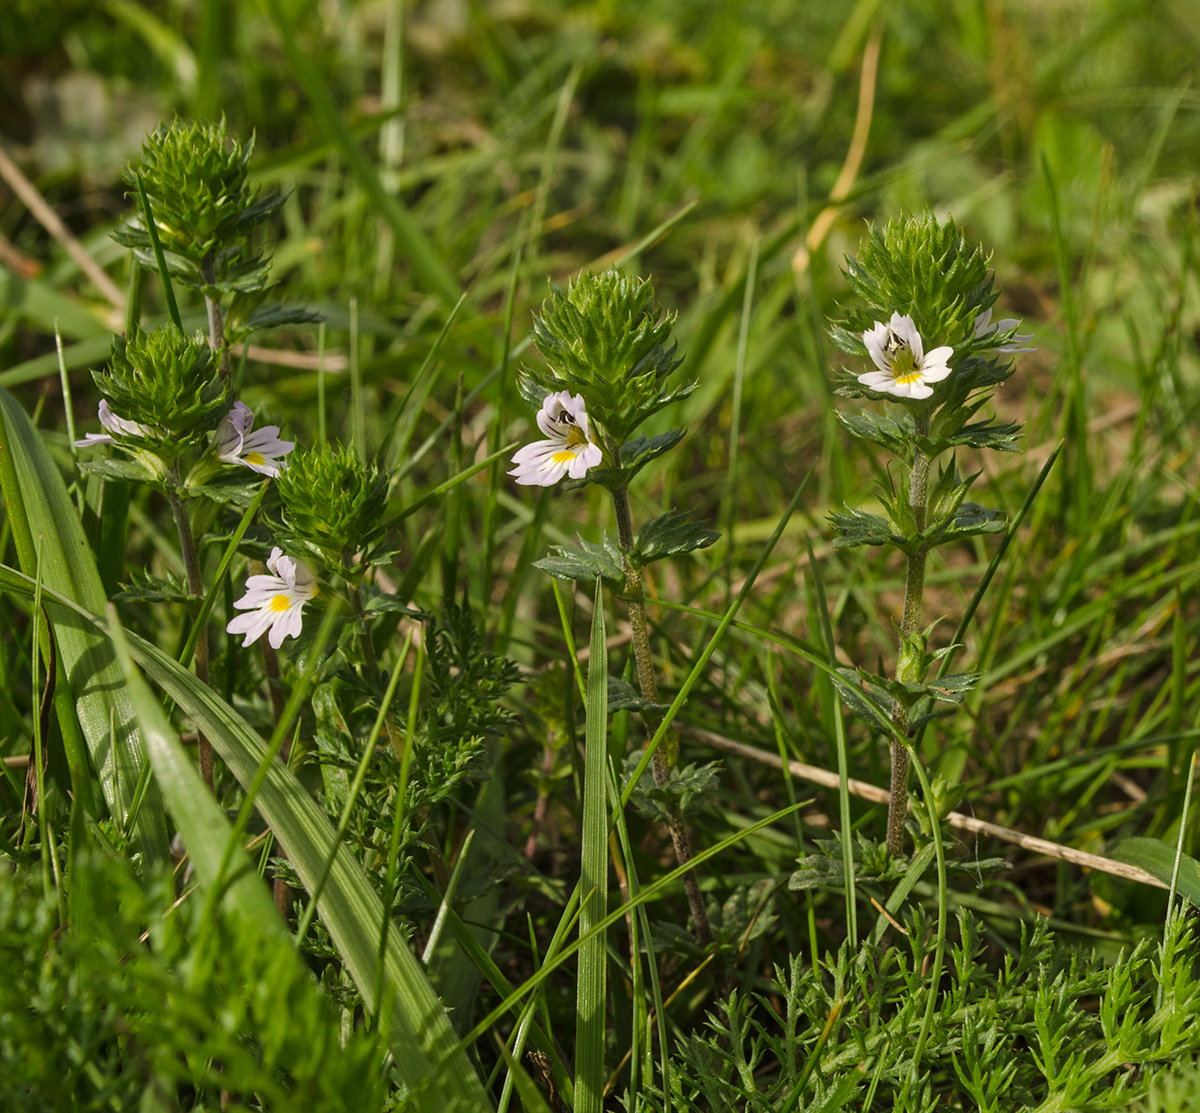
x=259 y=450
x=898 y=351
x=569 y=449
x=273 y=603
x=118 y=428
x=984 y=328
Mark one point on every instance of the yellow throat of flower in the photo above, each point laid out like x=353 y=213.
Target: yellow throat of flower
x=904 y=367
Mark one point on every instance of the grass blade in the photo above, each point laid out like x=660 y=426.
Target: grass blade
x=41 y=512
x=593 y=962
x=425 y=260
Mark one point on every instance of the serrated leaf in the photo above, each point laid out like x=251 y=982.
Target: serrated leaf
x=686 y=785
x=984 y=434
x=236 y=486
x=385 y=552
x=152 y=589
x=878 y=429
x=532 y=392
x=952 y=688
x=116 y=467
x=585 y=562
x=859 y=528
x=869 y=704
x=378 y=602
x=622 y=696
x=668 y=535
x=638 y=452
x=969 y=520
x=818 y=871
x=278 y=314
x=635 y=455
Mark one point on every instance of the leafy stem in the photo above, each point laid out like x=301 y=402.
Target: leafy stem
x=668 y=752
x=216 y=324
x=910 y=621
x=191 y=565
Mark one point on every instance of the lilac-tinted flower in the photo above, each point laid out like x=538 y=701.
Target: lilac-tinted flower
x=259 y=450
x=568 y=449
x=273 y=603
x=898 y=351
x=118 y=428
x=984 y=328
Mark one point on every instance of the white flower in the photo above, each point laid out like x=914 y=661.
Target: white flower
x=904 y=368
x=274 y=602
x=984 y=328
x=118 y=427
x=569 y=449
x=258 y=450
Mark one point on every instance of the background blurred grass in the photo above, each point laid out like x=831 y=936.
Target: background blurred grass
x=1062 y=135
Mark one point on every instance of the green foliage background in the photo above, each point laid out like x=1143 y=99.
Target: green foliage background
x=432 y=149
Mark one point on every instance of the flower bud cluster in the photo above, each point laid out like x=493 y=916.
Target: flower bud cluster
x=332 y=503
x=166 y=382
x=605 y=338
x=204 y=205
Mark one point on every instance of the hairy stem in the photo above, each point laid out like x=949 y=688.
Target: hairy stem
x=365 y=641
x=216 y=324
x=668 y=751
x=910 y=621
x=191 y=564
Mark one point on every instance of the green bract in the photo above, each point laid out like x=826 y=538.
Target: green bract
x=923 y=268
x=332 y=502
x=166 y=381
x=605 y=337
x=204 y=206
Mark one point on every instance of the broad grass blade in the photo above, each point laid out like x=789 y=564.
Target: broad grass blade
x=41 y=512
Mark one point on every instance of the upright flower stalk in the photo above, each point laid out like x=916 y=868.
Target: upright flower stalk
x=667 y=754
x=907 y=670
x=608 y=360
x=925 y=322
x=196 y=185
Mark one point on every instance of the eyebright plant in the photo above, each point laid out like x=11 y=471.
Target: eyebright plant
x=923 y=316
x=609 y=357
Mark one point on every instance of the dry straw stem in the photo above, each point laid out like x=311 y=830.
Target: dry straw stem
x=854 y=156
x=48 y=219
x=956 y=819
